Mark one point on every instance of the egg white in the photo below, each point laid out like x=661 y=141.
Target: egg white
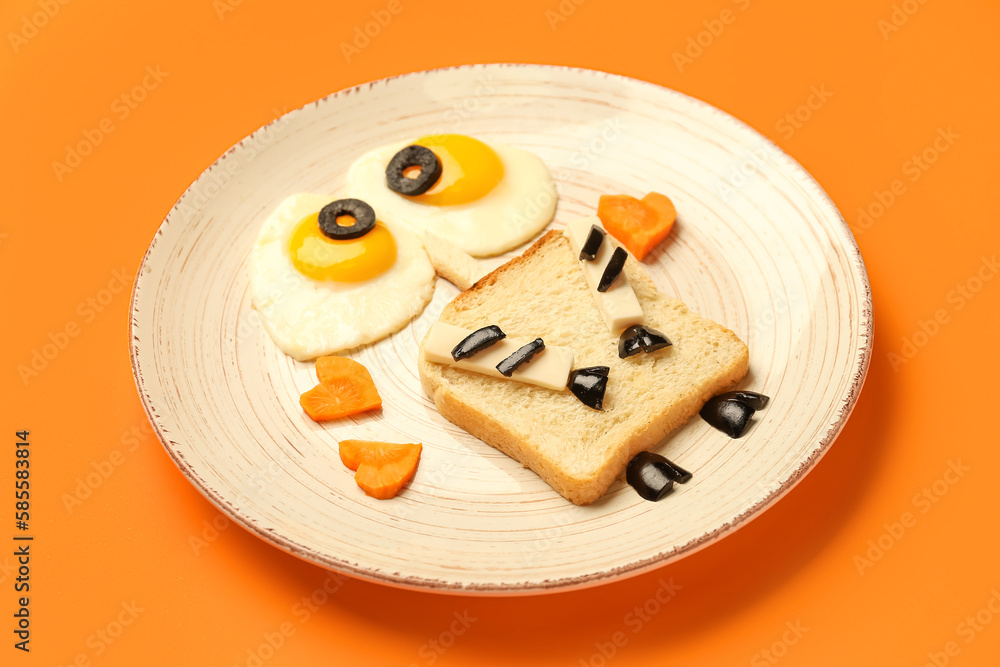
x=512 y=213
x=310 y=318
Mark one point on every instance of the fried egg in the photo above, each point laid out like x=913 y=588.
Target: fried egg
x=489 y=198
x=316 y=295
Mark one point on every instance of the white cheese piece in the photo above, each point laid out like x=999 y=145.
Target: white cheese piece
x=549 y=368
x=619 y=305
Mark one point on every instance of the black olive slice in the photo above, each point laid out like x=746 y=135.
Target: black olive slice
x=729 y=415
x=477 y=341
x=363 y=214
x=593 y=243
x=612 y=270
x=650 y=475
x=522 y=355
x=589 y=387
x=413 y=156
x=751 y=398
x=677 y=473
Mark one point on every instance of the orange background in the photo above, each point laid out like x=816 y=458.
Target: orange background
x=134 y=541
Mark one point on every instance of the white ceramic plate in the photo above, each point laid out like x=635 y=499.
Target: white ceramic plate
x=758 y=247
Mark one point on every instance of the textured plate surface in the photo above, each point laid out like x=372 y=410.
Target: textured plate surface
x=758 y=247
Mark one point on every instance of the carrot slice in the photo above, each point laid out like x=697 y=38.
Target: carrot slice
x=340 y=397
x=353 y=452
x=345 y=388
x=330 y=368
x=382 y=467
x=638 y=224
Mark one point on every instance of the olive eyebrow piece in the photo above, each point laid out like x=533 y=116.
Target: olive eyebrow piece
x=595 y=238
x=612 y=270
x=520 y=356
x=477 y=341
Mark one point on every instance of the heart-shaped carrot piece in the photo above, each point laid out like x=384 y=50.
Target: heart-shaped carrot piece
x=638 y=224
x=345 y=388
x=382 y=468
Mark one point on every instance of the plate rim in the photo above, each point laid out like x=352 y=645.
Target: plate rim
x=423 y=584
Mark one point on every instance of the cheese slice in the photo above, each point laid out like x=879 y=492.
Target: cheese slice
x=549 y=368
x=618 y=306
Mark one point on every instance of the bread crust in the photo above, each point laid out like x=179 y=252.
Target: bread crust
x=450 y=262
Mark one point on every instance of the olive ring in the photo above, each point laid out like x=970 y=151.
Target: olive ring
x=363 y=214
x=413 y=156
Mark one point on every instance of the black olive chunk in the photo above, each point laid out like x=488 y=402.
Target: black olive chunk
x=589 y=388
x=652 y=340
x=649 y=475
x=629 y=341
x=729 y=415
x=638 y=338
x=477 y=341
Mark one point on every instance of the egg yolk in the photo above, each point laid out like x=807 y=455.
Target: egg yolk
x=469 y=169
x=319 y=257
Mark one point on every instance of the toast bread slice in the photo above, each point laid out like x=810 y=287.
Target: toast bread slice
x=579 y=451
